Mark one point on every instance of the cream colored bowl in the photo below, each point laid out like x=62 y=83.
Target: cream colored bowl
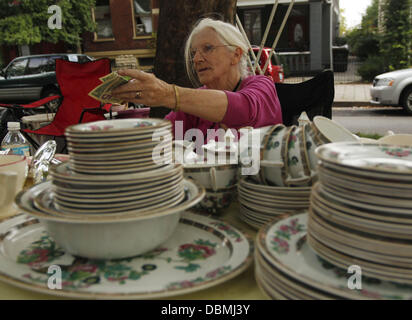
x=17 y=164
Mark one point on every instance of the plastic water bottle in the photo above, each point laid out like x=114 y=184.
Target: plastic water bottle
x=15 y=141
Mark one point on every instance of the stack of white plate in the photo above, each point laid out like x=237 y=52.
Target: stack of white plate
x=286 y=267
x=92 y=194
x=261 y=203
x=120 y=173
x=122 y=146
x=361 y=209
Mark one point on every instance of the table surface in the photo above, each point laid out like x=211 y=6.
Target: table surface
x=241 y=287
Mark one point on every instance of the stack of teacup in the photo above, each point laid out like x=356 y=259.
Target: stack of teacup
x=288 y=169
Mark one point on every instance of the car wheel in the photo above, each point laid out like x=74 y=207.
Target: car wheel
x=407 y=100
x=52 y=106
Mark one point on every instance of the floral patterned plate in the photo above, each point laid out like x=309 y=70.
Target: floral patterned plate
x=202 y=252
x=371 y=157
x=284 y=244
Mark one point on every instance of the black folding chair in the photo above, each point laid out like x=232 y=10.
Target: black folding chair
x=314 y=96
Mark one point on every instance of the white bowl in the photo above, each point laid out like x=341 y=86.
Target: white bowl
x=125 y=235
x=112 y=240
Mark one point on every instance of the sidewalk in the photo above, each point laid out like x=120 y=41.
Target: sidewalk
x=346 y=94
x=349 y=95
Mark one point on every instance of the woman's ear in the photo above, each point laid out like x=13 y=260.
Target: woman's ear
x=237 y=55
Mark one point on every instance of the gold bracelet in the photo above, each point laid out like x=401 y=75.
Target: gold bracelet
x=177 y=105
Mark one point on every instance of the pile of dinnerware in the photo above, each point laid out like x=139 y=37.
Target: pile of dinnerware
x=124 y=211
x=288 y=153
x=361 y=209
x=286 y=267
x=260 y=204
x=220 y=182
x=93 y=194
x=288 y=168
x=123 y=146
x=202 y=252
x=215 y=168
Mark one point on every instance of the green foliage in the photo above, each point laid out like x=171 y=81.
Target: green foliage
x=362 y=43
x=396 y=41
x=369 y=135
x=365 y=39
x=26 y=21
x=389 y=50
x=372 y=66
x=370 y=19
x=19 y=30
x=340 y=41
x=343 y=27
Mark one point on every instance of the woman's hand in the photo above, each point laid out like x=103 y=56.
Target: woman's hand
x=145 y=88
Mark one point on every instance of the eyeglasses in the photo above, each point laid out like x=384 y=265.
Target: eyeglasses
x=206 y=50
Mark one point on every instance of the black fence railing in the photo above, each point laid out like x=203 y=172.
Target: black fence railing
x=297 y=68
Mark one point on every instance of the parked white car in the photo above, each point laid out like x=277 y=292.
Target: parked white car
x=393 y=88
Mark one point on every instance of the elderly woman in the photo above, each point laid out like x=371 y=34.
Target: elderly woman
x=216 y=58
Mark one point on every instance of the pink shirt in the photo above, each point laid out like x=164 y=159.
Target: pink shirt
x=255 y=104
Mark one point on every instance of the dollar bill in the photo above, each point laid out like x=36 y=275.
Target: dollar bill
x=103 y=93
x=112 y=76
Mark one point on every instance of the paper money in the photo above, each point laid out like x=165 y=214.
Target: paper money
x=112 y=76
x=103 y=92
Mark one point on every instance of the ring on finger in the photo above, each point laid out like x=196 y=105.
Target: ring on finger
x=138 y=94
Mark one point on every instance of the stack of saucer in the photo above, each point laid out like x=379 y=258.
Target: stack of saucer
x=261 y=203
x=361 y=209
x=123 y=146
x=93 y=194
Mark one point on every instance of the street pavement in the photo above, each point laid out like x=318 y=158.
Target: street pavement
x=352 y=109
x=350 y=95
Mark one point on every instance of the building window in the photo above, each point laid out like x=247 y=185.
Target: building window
x=103 y=20
x=253 y=26
x=142 y=13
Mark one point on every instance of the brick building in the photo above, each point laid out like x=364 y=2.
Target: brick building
x=124 y=27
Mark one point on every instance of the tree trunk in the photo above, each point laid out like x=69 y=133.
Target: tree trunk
x=176 y=20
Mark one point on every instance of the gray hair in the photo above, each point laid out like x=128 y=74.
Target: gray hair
x=228 y=34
